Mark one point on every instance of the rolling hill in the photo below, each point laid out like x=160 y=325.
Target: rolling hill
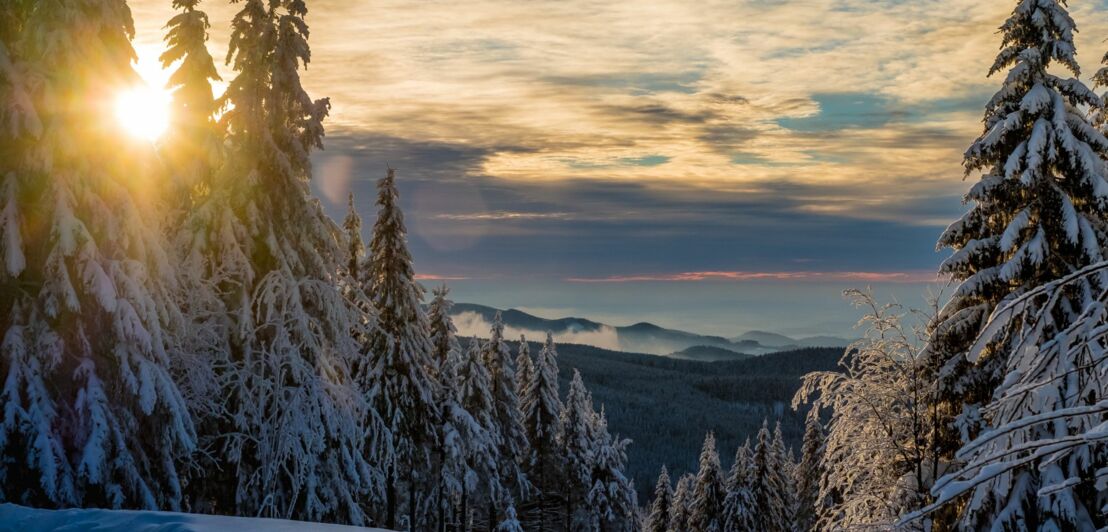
x=708 y=353
x=638 y=338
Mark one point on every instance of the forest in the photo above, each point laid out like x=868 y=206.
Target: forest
x=183 y=328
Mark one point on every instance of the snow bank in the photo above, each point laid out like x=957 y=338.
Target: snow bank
x=15 y=518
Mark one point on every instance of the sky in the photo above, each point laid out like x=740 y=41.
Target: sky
x=718 y=166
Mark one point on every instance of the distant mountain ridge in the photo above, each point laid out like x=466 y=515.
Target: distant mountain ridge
x=708 y=353
x=646 y=337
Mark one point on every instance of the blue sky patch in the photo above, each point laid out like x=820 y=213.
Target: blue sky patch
x=846 y=110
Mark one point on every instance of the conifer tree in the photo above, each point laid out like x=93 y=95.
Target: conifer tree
x=708 y=494
x=483 y=442
x=192 y=150
x=1037 y=208
x=355 y=248
x=611 y=501
x=513 y=439
x=771 y=513
x=1099 y=114
x=193 y=143
x=297 y=434
x=402 y=388
x=90 y=414
x=1046 y=422
x=542 y=410
x=525 y=368
x=577 y=447
x=662 y=505
x=1037 y=212
x=459 y=430
x=785 y=473
x=682 y=503
x=738 y=507
x=809 y=474
x=1038 y=215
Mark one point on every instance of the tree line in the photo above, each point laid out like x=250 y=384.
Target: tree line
x=766 y=488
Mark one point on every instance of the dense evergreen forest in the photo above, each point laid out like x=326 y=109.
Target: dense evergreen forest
x=665 y=405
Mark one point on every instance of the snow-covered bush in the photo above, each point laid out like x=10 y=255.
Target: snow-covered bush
x=883 y=409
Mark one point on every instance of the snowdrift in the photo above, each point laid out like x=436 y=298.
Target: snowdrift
x=14 y=518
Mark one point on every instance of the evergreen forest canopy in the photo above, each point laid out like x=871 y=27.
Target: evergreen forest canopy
x=183 y=328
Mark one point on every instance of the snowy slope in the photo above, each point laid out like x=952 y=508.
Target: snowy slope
x=15 y=518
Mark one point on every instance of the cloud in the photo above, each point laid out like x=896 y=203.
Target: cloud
x=504 y=215
x=434 y=277
x=473 y=324
x=729 y=93
x=869 y=277
x=482 y=227
x=652 y=135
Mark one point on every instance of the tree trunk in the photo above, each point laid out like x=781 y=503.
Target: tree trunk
x=463 y=523
x=412 y=502
x=492 y=516
x=390 y=499
x=542 y=496
x=569 y=512
x=442 y=501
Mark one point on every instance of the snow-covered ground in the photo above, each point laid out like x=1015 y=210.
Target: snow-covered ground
x=14 y=518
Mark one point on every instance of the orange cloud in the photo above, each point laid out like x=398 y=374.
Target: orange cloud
x=433 y=277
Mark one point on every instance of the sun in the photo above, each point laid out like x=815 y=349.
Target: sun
x=143 y=112
x=143 y=109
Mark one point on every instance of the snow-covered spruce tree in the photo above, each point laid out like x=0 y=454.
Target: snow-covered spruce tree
x=482 y=481
x=611 y=502
x=513 y=439
x=542 y=410
x=766 y=489
x=525 y=368
x=192 y=150
x=297 y=434
x=1099 y=114
x=353 y=284
x=661 y=506
x=577 y=449
x=90 y=415
x=706 y=506
x=355 y=247
x=459 y=431
x=1038 y=212
x=738 y=506
x=192 y=146
x=1046 y=425
x=883 y=405
x=785 y=471
x=808 y=474
x=682 y=503
x=401 y=387
x=1038 y=207
x=445 y=346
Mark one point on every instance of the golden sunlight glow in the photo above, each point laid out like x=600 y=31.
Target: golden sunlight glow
x=143 y=112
